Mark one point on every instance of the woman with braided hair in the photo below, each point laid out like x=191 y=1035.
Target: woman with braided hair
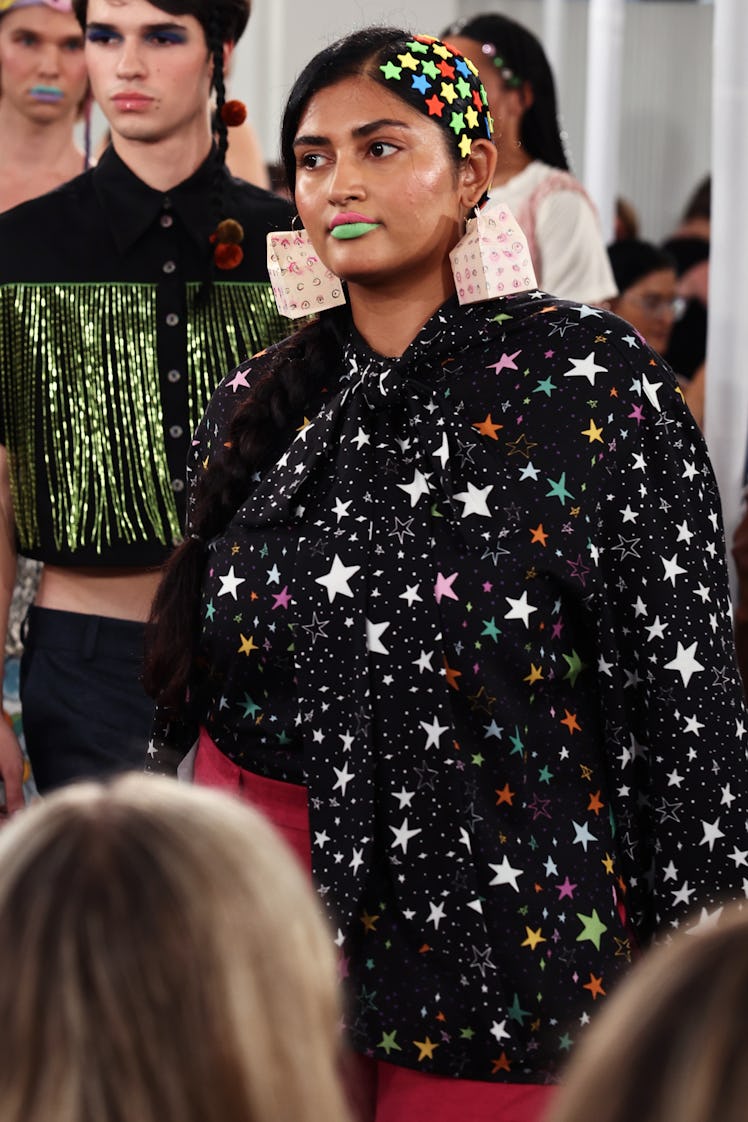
x=433 y=614
x=124 y=297
x=532 y=175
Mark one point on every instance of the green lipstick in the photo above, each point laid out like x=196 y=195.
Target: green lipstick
x=353 y=230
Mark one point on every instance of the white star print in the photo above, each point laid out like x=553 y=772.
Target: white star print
x=672 y=569
x=361 y=438
x=585 y=368
x=336 y=581
x=685 y=663
x=344 y=777
x=411 y=594
x=433 y=732
x=436 y=914
x=403 y=797
x=419 y=486
x=656 y=630
x=229 y=583
x=403 y=835
x=424 y=661
x=505 y=874
x=650 y=391
x=520 y=609
x=340 y=510
x=474 y=501
x=374 y=632
x=711 y=833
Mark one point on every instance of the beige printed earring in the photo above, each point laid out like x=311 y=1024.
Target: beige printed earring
x=492 y=258
x=302 y=284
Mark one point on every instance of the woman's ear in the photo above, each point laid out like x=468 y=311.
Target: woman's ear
x=476 y=173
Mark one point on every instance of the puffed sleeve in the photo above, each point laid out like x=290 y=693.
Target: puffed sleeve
x=667 y=663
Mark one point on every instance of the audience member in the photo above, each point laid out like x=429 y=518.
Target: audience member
x=168 y=964
x=124 y=296
x=689 y=246
x=646 y=281
x=671 y=1045
x=532 y=172
x=627 y=220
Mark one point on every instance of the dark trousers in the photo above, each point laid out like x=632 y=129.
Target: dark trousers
x=85 y=713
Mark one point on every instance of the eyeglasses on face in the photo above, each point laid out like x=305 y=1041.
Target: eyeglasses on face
x=655 y=305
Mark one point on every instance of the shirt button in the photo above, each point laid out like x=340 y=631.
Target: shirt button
x=172 y=319
x=176 y=431
x=169 y=266
x=166 y=220
x=177 y=485
x=174 y=376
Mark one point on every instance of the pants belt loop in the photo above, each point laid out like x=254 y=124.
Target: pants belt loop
x=90 y=637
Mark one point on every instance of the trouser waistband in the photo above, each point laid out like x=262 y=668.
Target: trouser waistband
x=89 y=636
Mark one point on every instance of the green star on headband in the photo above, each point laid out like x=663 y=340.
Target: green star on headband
x=434 y=77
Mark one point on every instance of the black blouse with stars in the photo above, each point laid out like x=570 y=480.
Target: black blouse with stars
x=479 y=607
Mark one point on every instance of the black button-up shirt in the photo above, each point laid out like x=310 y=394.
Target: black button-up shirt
x=108 y=357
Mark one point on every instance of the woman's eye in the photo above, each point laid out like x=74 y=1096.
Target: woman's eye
x=382 y=148
x=310 y=160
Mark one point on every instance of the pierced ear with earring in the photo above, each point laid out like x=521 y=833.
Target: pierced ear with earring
x=492 y=258
x=302 y=284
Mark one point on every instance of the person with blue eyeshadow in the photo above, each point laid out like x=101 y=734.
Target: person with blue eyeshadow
x=124 y=297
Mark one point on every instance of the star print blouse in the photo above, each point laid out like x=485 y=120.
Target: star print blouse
x=479 y=607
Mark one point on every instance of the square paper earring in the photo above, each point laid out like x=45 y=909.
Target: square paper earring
x=302 y=285
x=492 y=258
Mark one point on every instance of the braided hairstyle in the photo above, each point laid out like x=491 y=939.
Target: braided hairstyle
x=289 y=387
x=522 y=53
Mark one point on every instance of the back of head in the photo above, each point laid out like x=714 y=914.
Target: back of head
x=169 y=964
x=519 y=51
x=671 y=1043
x=632 y=260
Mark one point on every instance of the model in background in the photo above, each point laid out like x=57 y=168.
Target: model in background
x=532 y=172
x=43 y=93
x=43 y=89
x=170 y=964
x=124 y=297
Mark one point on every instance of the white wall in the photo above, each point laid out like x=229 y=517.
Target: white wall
x=666 y=96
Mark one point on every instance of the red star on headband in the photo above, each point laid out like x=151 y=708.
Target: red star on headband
x=447 y=70
x=435 y=106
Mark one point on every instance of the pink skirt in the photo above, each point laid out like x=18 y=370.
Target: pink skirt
x=379 y=1092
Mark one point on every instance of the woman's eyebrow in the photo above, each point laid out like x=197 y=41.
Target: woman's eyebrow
x=360 y=130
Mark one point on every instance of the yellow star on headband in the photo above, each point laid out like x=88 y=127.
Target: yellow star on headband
x=471 y=117
x=449 y=93
x=442 y=51
x=408 y=62
x=471 y=66
x=465 y=146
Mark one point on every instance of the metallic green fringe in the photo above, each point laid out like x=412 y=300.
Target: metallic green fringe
x=80 y=401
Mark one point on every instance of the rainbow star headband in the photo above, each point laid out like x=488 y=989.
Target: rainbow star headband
x=56 y=5
x=439 y=81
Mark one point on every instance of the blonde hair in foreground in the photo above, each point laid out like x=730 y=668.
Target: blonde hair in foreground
x=163 y=961
x=672 y=1045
